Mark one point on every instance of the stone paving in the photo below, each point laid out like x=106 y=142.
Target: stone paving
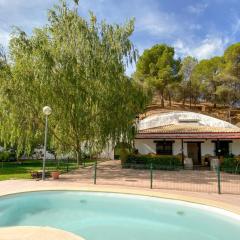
x=36 y=233
x=112 y=173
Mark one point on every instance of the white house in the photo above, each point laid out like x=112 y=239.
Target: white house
x=188 y=135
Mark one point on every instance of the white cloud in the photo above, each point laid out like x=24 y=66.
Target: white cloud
x=207 y=48
x=4 y=38
x=157 y=24
x=235 y=25
x=22 y=13
x=197 y=8
x=210 y=47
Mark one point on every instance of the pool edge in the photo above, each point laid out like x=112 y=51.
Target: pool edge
x=131 y=191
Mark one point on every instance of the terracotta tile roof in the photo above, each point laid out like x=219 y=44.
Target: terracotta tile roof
x=187 y=131
x=186 y=128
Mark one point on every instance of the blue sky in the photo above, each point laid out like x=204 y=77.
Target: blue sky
x=201 y=28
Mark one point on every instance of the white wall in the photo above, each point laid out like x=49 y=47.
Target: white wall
x=235 y=147
x=146 y=146
x=108 y=152
x=208 y=148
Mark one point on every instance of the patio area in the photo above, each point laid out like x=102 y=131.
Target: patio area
x=111 y=173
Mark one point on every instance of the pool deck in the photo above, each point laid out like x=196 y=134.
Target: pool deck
x=36 y=233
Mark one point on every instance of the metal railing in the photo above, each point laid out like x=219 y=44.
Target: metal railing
x=170 y=178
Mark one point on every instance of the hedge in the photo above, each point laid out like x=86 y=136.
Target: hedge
x=230 y=165
x=158 y=162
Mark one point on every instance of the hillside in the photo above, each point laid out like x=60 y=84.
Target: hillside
x=231 y=115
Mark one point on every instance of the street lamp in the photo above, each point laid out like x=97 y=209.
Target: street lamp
x=46 y=111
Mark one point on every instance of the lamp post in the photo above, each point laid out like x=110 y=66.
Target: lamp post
x=46 y=111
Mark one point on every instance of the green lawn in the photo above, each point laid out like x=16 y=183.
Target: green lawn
x=22 y=170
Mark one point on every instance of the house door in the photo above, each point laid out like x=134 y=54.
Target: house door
x=194 y=152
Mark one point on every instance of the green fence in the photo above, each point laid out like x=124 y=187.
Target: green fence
x=153 y=176
x=169 y=177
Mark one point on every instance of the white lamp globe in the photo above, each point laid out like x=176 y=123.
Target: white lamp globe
x=47 y=110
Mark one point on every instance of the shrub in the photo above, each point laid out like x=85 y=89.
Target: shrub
x=230 y=164
x=158 y=162
x=4 y=156
x=7 y=156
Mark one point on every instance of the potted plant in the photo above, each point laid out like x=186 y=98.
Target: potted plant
x=55 y=174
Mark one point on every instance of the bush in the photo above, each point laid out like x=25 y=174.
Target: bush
x=7 y=156
x=231 y=165
x=158 y=162
x=229 y=162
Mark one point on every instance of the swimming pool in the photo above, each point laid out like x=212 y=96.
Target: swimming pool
x=105 y=216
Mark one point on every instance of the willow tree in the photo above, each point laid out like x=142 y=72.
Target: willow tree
x=77 y=67
x=5 y=71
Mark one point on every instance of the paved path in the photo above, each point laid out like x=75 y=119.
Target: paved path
x=112 y=173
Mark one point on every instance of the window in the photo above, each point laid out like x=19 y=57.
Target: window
x=164 y=147
x=222 y=148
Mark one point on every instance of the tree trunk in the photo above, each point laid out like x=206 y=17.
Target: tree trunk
x=162 y=102
x=79 y=156
x=190 y=97
x=183 y=102
x=162 y=98
x=56 y=160
x=170 y=99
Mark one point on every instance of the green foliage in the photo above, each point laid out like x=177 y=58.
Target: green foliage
x=77 y=67
x=184 y=89
x=158 y=68
x=232 y=72
x=7 y=156
x=207 y=75
x=158 y=162
x=232 y=59
x=229 y=162
x=4 y=156
x=231 y=165
x=122 y=150
x=215 y=80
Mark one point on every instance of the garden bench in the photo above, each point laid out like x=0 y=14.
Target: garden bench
x=38 y=174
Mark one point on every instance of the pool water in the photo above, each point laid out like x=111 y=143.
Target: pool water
x=108 y=216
